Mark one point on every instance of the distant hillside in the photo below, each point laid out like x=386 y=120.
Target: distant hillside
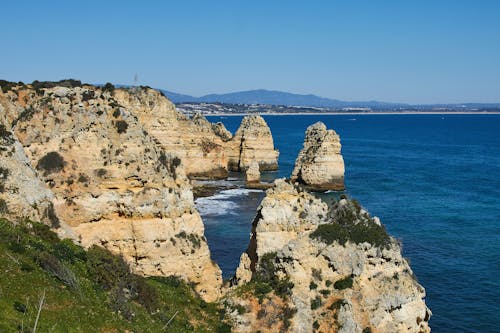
x=262 y=96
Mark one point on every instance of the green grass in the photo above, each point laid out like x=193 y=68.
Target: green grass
x=89 y=291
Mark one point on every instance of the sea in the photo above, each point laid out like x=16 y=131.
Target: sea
x=434 y=181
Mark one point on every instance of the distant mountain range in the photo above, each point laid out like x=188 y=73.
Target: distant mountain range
x=272 y=97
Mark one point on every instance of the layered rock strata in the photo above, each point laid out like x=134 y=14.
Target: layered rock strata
x=252 y=141
x=320 y=165
x=193 y=141
x=111 y=181
x=311 y=268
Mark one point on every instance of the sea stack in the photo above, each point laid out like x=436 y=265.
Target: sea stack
x=320 y=166
x=314 y=268
x=252 y=174
x=252 y=141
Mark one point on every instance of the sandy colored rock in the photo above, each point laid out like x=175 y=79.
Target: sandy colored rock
x=221 y=131
x=320 y=165
x=335 y=287
x=113 y=183
x=22 y=194
x=191 y=140
x=252 y=175
x=252 y=141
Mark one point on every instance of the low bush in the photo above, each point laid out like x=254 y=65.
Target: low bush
x=4 y=209
x=266 y=279
x=108 y=87
x=52 y=265
x=5 y=134
x=121 y=126
x=95 y=283
x=316 y=303
x=344 y=283
x=106 y=269
x=50 y=163
x=351 y=225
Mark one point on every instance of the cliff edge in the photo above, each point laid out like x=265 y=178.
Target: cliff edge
x=314 y=268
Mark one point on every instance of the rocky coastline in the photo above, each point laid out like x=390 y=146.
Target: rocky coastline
x=116 y=168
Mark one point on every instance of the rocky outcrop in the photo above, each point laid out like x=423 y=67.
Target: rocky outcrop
x=310 y=268
x=252 y=175
x=320 y=165
x=22 y=194
x=192 y=140
x=111 y=180
x=252 y=141
x=221 y=131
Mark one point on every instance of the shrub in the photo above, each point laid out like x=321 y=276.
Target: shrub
x=107 y=270
x=20 y=307
x=3 y=207
x=7 y=85
x=26 y=114
x=52 y=265
x=16 y=247
x=147 y=295
x=43 y=231
x=121 y=126
x=108 y=87
x=50 y=163
x=316 y=303
x=50 y=214
x=312 y=286
x=88 y=95
x=266 y=279
x=349 y=225
x=101 y=172
x=69 y=251
x=68 y=83
x=5 y=134
x=116 y=113
x=82 y=178
x=344 y=283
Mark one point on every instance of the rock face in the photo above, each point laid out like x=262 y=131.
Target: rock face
x=310 y=268
x=320 y=165
x=252 y=175
x=192 y=140
x=109 y=179
x=22 y=194
x=252 y=141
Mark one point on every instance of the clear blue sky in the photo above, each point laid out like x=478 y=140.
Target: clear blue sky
x=420 y=51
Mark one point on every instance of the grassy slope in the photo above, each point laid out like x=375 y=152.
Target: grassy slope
x=82 y=298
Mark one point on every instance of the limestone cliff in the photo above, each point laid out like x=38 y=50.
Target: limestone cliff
x=252 y=141
x=194 y=141
x=311 y=268
x=320 y=165
x=22 y=194
x=110 y=180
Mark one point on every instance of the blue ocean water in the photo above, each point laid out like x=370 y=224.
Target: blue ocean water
x=434 y=180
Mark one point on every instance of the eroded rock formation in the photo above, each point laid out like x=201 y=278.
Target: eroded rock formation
x=313 y=268
x=111 y=181
x=320 y=165
x=252 y=141
x=252 y=175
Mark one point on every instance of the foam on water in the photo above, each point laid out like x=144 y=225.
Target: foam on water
x=222 y=203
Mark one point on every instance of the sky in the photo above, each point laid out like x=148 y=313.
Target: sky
x=411 y=51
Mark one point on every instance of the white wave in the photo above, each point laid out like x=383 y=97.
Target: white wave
x=222 y=203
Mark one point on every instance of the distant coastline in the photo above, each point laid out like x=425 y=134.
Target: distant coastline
x=354 y=113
